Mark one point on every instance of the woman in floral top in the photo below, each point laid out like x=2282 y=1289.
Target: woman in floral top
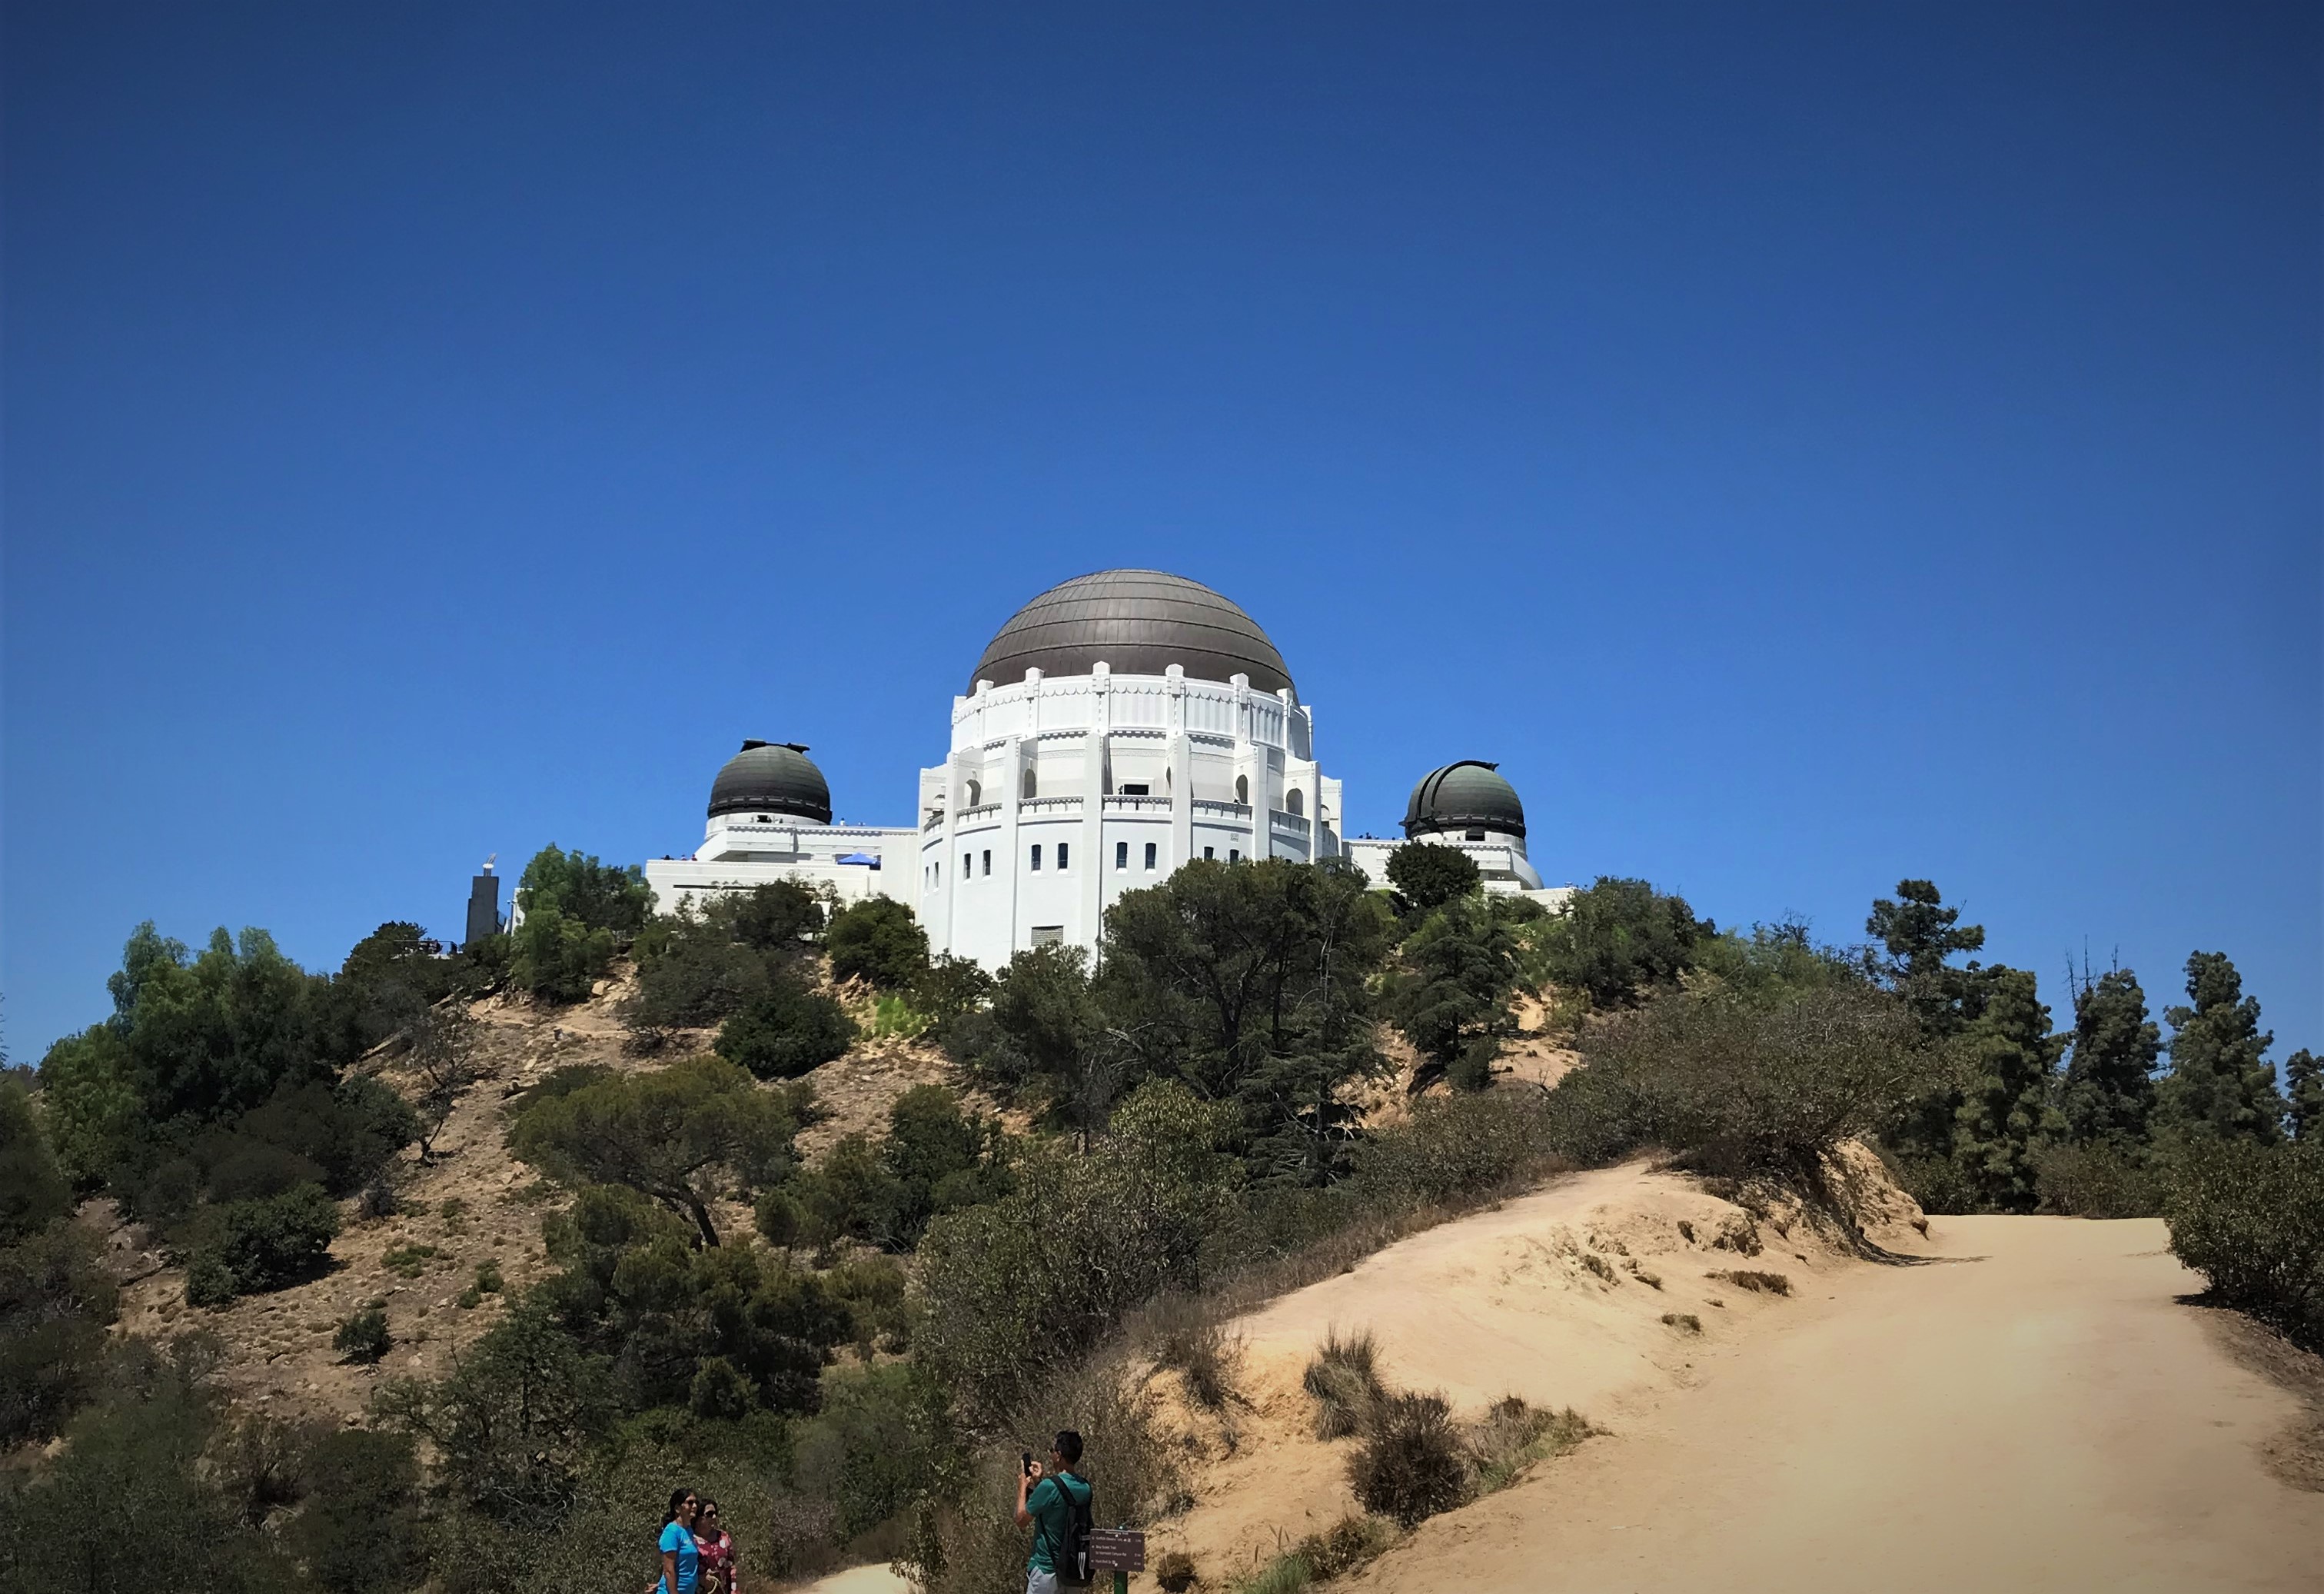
x=720 y=1575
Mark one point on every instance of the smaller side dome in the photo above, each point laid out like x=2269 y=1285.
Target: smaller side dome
x=771 y=777
x=1470 y=795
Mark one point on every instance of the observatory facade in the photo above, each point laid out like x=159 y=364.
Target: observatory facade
x=1120 y=724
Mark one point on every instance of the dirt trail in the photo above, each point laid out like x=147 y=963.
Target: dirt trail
x=2037 y=1412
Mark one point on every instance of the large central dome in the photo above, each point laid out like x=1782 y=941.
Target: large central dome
x=1138 y=622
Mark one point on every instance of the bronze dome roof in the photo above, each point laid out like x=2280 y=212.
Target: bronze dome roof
x=1139 y=622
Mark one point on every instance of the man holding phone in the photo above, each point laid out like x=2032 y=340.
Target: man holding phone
x=1046 y=1498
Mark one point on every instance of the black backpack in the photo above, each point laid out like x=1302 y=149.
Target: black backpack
x=1073 y=1556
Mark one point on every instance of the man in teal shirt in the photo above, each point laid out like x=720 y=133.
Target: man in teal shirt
x=1041 y=1496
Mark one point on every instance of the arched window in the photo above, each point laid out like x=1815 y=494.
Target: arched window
x=1242 y=788
x=1032 y=786
x=975 y=793
x=1296 y=803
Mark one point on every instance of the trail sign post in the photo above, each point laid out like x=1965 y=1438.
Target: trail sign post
x=1120 y=1550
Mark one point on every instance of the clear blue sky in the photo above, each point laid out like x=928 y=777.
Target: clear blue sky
x=1805 y=446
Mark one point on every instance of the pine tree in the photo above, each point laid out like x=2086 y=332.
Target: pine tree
x=2304 y=1078
x=1921 y=936
x=2221 y=1086
x=2109 y=1087
x=2005 y=1115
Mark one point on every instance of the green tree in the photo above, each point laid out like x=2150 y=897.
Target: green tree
x=785 y=1031
x=1042 y=1021
x=389 y=976
x=33 y=1190
x=1251 y=982
x=2304 y=1078
x=244 y=1248
x=513 y=1422
x=2221 y=1086
x=779 y=916
x=878 y=939
x=1426 y=874
x=670 y=1135
x=56 y=1300
x=1921 y=936
x=2005 y=1118
x=578 y=913
x=169 y=1527
x=1617 y=938
x=1453 y=1004
x=360 y=1530
x=2109 y=1084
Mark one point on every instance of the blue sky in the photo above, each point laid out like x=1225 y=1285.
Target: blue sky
x=1806 y=446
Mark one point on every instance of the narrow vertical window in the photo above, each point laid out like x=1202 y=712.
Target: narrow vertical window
x=1037 y=858
x=1149 y=855
x=966 y=868
x=1062 y=846
x=988 y=861
x=1208 y=853
x=1242 y=788
x=1121 y=855
x=1234 y=855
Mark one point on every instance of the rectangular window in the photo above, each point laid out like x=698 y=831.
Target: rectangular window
x=1062 y=856
x=967 y=866
x=1234 y=855
x=1208 y=853
x=1137 y=790
x=1121 y=855
x=1049 y=935
x=988 y=861
x=1037 y=858
x=1149 y=855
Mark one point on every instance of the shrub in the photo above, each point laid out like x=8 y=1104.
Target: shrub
x=488 y=1276
x=878 y=939
x=1019 y=1287
x=246 y=1247
x=2250 y=1218
x=56 y=1299
x=1186 y=1336
x=1456 y=1150
x=359 y=1531
x=362 y=1336
x=1739 y=1085
x=1513 y=1436
x=1683 y=1319
x=1616 y=938
x=786 y=1031
x=1771 y=1283
x=33 y=1190
x=2097 y=1181
x=1344 y=1380
x=718 y=1393
x=1411 y=1463
x=379 y=1199
x=1174 y=1572
x=878 y=1444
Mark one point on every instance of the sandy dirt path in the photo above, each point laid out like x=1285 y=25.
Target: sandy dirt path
x=2036 y=1413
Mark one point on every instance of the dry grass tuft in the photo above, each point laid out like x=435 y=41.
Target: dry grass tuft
x=1512 y=1436
x=1344 y=1381
x=1684 y=1319
x=1771 y=1283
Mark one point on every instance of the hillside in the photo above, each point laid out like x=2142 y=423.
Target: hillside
x=474 y=1205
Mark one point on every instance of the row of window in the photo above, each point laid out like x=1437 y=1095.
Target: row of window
x=969 y=860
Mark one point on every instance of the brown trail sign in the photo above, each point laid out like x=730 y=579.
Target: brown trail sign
x=1120 y=1550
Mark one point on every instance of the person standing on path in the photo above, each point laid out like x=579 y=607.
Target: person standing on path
x=681 y=1562
x=1043 y=1496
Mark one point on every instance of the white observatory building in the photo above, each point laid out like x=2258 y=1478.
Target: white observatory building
x=1120 y=724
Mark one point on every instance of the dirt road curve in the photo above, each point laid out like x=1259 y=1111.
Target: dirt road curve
x=2037 y=1413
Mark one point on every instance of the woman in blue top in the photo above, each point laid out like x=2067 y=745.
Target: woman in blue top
x=681 y=1562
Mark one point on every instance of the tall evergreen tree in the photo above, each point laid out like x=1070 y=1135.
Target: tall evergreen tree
x=2005 y=1115
x=2221 y=1086
x=1921 y=937
x=2303 y=1082
x=2110 y=1086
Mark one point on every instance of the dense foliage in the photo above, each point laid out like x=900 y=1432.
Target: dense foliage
x=576 y=913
